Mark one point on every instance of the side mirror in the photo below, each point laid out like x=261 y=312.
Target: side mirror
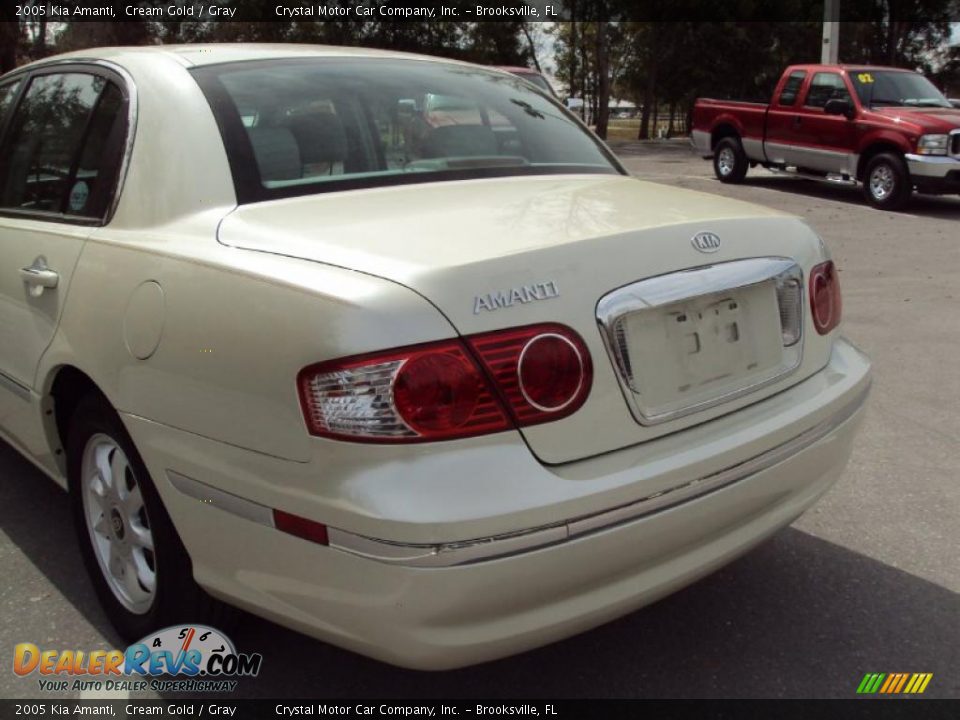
x=839 y=107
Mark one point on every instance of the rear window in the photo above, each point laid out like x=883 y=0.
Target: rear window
x=296 y=127
x=788 y=96
x=537 y=80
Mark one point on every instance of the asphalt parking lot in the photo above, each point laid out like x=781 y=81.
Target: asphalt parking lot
x=867 y=581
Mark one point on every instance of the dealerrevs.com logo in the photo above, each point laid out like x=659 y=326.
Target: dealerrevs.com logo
x=197 y=658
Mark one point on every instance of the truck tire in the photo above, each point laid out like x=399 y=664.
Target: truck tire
x=730 y=162
x=886 y=182
x=139 y=568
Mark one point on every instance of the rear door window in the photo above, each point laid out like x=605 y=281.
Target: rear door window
x=791 y=88
x=62 y=151
x=8 y=94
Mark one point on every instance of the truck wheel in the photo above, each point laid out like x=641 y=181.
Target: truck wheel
x=730 y=161
x=886 y=182
x=140 y=570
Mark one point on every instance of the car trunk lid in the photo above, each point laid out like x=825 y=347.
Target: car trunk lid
x=491 y=254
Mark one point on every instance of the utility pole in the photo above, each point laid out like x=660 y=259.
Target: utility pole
x=830 y=52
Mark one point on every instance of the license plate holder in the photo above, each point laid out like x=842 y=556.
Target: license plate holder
x=699 y=350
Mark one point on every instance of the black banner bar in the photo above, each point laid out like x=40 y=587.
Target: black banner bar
x=474 y=10
x=855 y=709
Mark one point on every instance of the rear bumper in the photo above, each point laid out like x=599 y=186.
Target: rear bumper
x=935 y=174
x=700 y=139
x=481 y=607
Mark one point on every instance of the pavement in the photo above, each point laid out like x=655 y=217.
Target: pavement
x=867 y=581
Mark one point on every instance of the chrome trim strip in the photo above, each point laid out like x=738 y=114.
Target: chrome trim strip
x=690 y=284
x=434 y=555
x=813 y=157
x=823 y=152
x=133 y=115
x=228 y=502
x=18 y=389
x=452 y=554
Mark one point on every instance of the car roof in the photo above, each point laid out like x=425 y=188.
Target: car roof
x=516 y=69
x=198 y=54
x=848 y=68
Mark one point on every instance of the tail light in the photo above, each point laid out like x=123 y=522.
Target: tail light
x=542 y=371
x=825 y=303
x=450 y=389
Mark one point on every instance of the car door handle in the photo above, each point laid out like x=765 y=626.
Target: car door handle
x=797 y=121
x=39 y=277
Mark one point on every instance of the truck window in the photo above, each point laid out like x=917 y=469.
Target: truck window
x=826 y=86
x=791 y=88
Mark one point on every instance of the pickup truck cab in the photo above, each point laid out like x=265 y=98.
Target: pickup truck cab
x=888 y=129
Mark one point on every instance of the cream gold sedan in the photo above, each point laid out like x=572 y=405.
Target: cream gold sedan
x=393 y=351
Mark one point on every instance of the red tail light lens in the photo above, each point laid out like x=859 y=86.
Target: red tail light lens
x=424 y=392
x=550 y=372
x=436 y=391
x=825 y=302
x=439 y=391
x=543 y=371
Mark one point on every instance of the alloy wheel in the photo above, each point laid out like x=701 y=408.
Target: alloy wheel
x=117 y=522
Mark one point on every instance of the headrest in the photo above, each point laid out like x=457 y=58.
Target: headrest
x=276 y=151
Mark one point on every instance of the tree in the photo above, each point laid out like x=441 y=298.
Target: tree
x=9 y=38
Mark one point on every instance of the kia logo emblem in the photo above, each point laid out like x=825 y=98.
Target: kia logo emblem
x=706 y=242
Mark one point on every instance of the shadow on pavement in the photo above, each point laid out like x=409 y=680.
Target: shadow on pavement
x=797 y=617
x=35 y=516
x=943 y=207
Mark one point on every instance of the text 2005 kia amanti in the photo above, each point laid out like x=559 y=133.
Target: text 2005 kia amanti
x=392 y=351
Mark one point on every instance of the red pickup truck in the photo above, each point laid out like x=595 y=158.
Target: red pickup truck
x=888 y=129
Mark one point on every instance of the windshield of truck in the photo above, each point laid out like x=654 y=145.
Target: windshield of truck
x=878 y=88
x=298 y=127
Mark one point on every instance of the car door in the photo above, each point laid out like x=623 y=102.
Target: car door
x=60 y=153
x=825 y=142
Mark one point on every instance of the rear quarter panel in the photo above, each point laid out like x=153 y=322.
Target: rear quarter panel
x=235 y=328
x=746 y=119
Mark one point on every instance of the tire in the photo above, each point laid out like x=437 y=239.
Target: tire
x=886 y=182
x=730 y=162
x=148 y=588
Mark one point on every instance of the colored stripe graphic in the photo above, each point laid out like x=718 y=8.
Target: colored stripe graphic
x=892 y=678
x=894 y=683
x=913 y=682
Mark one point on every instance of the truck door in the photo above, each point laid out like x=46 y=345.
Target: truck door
x=780 y=141
x=825 y=142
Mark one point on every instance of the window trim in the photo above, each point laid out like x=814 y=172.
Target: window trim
x=17 y=96
x=112 y=73
x=245 y=173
